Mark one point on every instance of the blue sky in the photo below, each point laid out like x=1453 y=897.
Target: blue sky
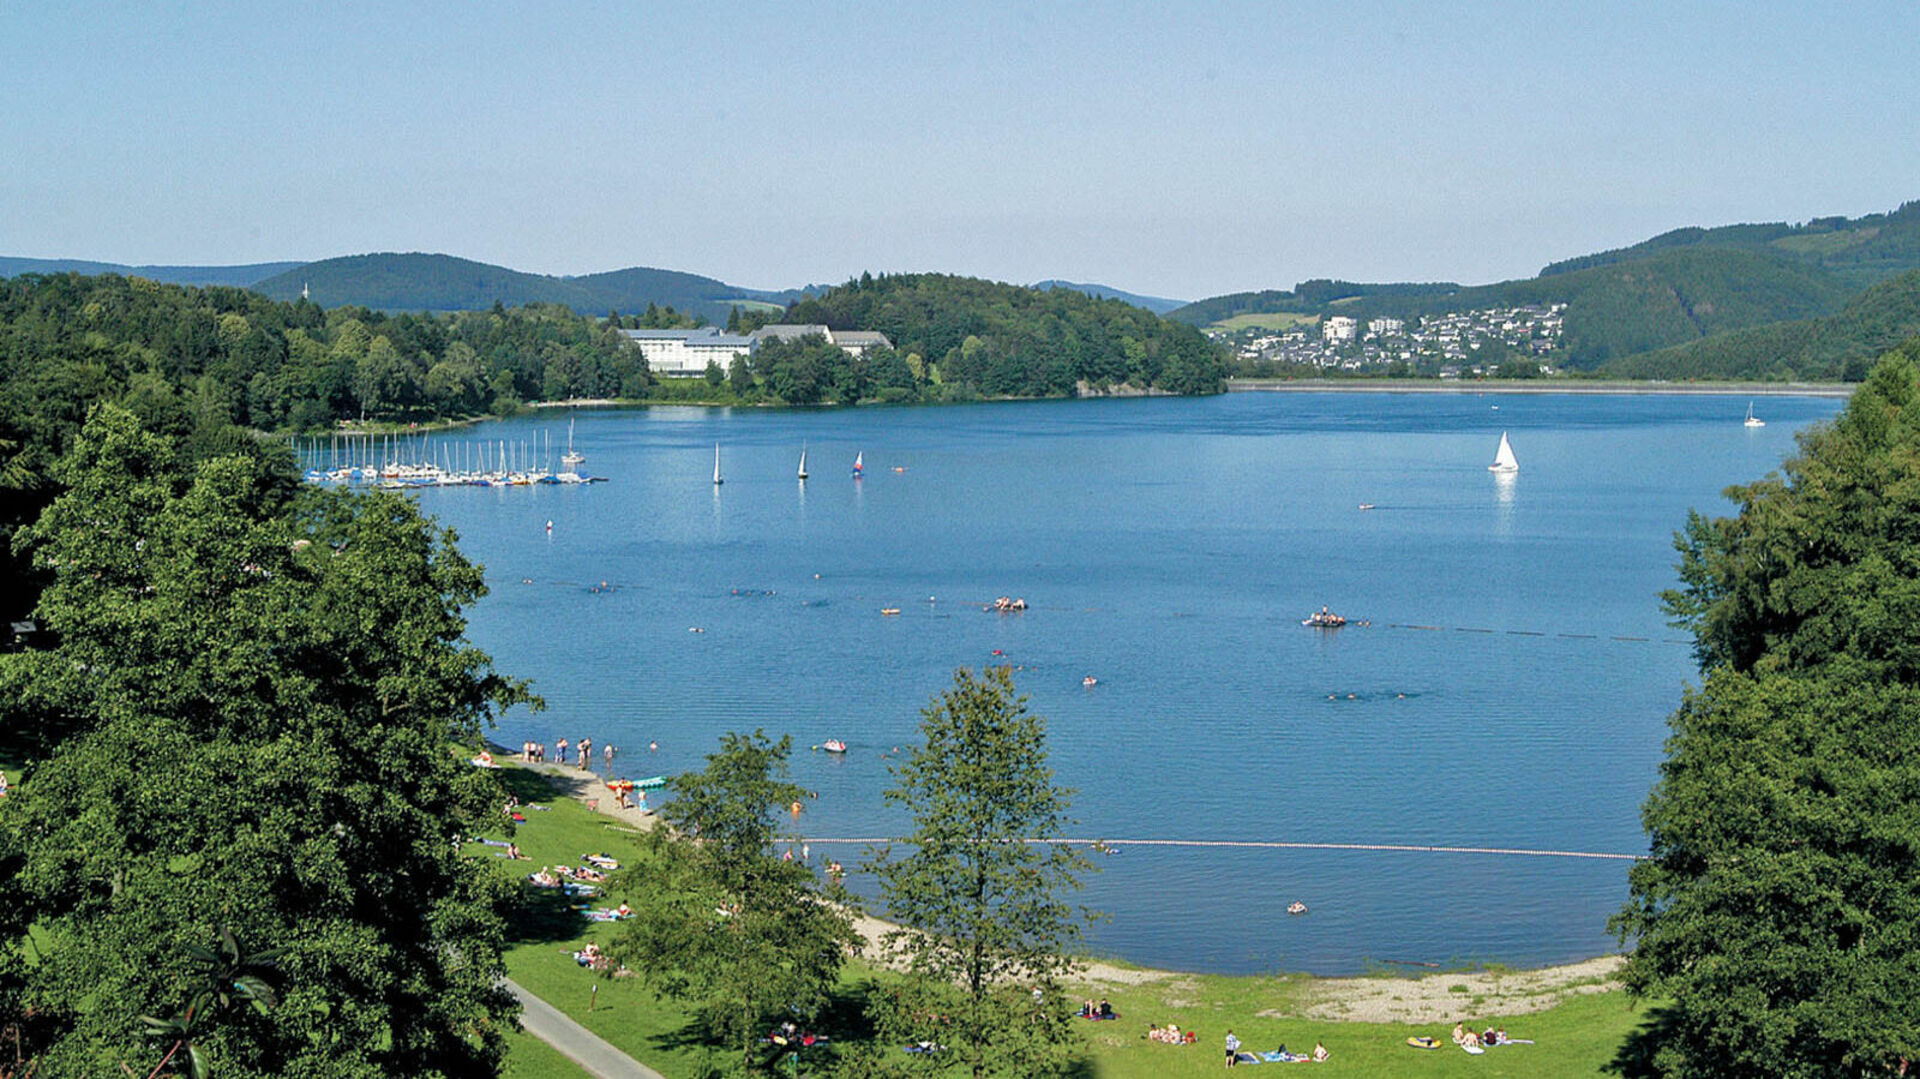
x=1182 y=150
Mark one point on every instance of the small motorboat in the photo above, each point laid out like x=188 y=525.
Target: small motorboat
x=1366 y=505
x=1089 y=681
x=889 y=610
x=1324 y=619
x=1296 y=907
x=834 y=745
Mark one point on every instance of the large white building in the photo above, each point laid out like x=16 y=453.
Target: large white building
x=685 y=353
x=856 y=342
x=1339 y=328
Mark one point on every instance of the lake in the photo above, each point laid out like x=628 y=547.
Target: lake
x=1510 y=691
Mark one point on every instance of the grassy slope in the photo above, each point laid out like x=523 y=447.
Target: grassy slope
x=1577 y=1038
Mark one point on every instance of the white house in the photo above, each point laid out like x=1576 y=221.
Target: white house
x=1339 y=328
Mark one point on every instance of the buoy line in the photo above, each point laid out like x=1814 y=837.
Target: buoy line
x=1255 y=844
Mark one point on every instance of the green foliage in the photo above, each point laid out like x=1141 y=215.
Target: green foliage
x=1858 y=252
x=1780 y=909
x=246 y=723
x=1836 y=347
x=724 y=924
x=984 y=916
x=1007 y=341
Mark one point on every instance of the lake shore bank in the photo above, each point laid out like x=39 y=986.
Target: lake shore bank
x=1423 y=998
x=1554 y=386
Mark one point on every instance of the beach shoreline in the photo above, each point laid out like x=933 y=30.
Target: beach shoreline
x=1423 y=998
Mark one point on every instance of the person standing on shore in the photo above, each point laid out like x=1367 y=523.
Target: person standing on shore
x=560 y=756
x=586 y=752
x=1233 y=1049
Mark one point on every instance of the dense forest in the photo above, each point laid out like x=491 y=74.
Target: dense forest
x=1838 y=347
x=1010 y=341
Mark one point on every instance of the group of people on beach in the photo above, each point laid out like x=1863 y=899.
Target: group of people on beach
x=536 y=752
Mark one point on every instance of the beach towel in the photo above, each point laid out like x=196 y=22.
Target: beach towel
x=494 y=842
x=603 y=915
x=1280 y=1058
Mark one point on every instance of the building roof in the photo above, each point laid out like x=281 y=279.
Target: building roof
x=862 y=338
x=705 y=335
x=790 y=331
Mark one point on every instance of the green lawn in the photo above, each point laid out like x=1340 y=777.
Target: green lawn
x=1580 y=1037
x=1270 y=320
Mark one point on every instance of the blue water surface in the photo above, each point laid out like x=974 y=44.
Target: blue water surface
x=1510 y=691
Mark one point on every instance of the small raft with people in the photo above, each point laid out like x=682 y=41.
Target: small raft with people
x=1324 y=619
x=834 y=745
x=1004 y=604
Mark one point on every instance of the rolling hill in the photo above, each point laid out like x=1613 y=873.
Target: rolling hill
x=425 y=282
x=1680 y=287
x=239 y=276
x=1841 y=346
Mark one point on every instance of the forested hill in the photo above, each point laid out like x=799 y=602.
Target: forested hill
x=1858 y=252
x=428 y=282
x=1839 y=347
x=1672 y=290
x=1011 y=340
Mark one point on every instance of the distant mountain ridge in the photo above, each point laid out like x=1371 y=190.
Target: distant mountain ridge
x=1159 y=305
x=238 y=276
x=416 y=281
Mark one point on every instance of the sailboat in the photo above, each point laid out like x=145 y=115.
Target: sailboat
x=573 y=459
x=803 y=460
x=1503 y=459
x=717 y=481
x=858 y=468
x=1753 y=420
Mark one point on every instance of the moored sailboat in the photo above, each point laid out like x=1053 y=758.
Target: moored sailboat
x=1753 y=420
x=717 y=481
x=803 y=460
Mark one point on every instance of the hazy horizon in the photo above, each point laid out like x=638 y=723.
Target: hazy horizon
x=1178 y=152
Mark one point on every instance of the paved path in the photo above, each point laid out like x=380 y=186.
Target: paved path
x=575 y=1042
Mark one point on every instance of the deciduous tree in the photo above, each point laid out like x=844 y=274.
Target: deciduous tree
x=984 y=911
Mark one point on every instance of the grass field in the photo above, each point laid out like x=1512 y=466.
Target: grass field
x=1579 y=1037
x=1271 y=320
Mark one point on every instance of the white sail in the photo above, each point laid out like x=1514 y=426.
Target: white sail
x=572 y=459
x=716 y=464
x=858 y=468
x=1753 y=420
x=1503 y=459
x=803 y=461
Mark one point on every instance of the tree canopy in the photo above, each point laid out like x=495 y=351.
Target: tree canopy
x=987 y=922
x=746 y=936
x=247 y=724
x=1780 y=908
